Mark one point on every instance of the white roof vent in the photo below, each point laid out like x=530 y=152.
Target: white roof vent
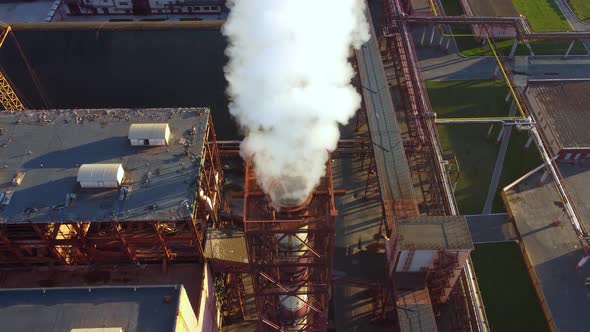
x=149 y=134
x=100 y=175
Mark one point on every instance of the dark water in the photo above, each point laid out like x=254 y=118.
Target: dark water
x=121 y=68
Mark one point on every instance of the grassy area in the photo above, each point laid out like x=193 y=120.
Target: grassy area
x=582 y=9
x=470 y=46
x=454 y=99
x=508 y=294
x=518 y=162
x=543 y=15
x=475 y=151
x=540 y=47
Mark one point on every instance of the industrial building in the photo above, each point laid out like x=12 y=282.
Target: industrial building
x=116 y=309
x=115 y=202
x=80 y=190
x=180 y=297
x=144 y=7
x=89 y=198
x=129 y=212
x=552 y=247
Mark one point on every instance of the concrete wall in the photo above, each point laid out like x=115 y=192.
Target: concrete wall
x=208 y=311
x=186 y=321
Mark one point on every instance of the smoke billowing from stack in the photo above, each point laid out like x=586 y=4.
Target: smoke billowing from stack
x=289 y=85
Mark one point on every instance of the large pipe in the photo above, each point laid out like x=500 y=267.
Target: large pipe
x=294 y=310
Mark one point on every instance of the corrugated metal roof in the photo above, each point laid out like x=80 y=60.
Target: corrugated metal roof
x=561 y=110
x=148 y=131
x=99 y=172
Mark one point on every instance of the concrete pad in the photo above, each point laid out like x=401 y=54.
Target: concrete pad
x=551 y=243
x=490 y=227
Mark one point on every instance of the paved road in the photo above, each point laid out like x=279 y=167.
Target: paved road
x=574 y=21
x=435 y=64
x=439 y=65
x=493 y=189
x=569 y=14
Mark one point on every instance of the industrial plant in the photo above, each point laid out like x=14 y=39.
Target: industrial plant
x=337 y=165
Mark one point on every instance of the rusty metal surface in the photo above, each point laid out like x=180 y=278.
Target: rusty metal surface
x=271 y=272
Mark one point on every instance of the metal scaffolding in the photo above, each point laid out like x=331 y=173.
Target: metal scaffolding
x=114 y=242
x=424 y=150
x=423 y=142
x=304 y=277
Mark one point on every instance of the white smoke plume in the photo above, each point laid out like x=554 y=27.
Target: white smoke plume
x=289 y=85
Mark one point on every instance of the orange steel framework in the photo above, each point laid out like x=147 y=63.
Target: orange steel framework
x=417 y=109
x=112 y=242
x=425 y=159
x=304 y=277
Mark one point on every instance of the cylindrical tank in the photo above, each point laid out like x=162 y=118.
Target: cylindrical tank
x=291 y=249
x=293 y=309
x=290 y=196
x=289 y=192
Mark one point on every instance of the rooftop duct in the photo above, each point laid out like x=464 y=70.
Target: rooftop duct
x=100 y=175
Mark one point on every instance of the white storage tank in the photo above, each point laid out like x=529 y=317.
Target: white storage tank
x=100 y=175
x=149 y=134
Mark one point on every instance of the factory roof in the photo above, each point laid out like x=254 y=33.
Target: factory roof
x=133 y=309
x=190 y=275
x=554 y=249
x=50 y=146
x=414 y=311
x=434 y=232
x=561 y=111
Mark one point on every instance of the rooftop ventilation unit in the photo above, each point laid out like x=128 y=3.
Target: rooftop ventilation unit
x=149 y=134
x=100 y=175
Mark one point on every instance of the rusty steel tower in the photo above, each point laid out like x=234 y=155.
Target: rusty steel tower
x=290 y=250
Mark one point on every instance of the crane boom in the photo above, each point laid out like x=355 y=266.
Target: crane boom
x=8 y=98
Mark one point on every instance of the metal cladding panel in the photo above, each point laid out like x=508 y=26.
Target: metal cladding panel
x=156 y=133
x=419 y=260
x=186 y=320
x=100 y=175
x=208 y=308
x=422 y=260
x=403 y=255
